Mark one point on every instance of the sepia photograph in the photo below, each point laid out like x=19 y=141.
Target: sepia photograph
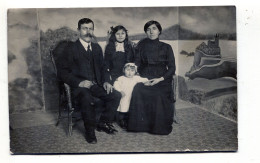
x=122 y=80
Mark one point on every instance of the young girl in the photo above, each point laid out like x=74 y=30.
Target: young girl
x=125 y=84
x=118 y=52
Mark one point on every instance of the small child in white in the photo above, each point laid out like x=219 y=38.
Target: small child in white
x=125 y=84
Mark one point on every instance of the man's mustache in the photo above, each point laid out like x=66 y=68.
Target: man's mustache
x=88 y=35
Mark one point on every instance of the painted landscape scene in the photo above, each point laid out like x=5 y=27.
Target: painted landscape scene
x=204 y=42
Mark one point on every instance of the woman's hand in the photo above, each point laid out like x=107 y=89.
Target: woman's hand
x=155 y=81
x=147 y=83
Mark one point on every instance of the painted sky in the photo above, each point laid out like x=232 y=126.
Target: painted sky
x=205 y=20
x=132 y=18
x=22 y=16
x=22 y=25
x=208 y=20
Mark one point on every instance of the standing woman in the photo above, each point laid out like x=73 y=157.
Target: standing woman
x=118 y=52
x=151 y=108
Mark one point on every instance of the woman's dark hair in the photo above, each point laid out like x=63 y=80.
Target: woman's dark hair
x=85 y=21
x=112 y=38
x=148 y=24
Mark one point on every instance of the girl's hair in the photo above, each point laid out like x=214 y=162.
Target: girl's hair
x=148 y=24
x=131 y=65
x=112 y=39
x=113 y=31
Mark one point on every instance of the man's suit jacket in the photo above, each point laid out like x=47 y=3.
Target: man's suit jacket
x=71 y=66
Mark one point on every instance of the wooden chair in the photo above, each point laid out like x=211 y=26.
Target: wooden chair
x=64 y=90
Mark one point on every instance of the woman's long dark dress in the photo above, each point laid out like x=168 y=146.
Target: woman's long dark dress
x=151 y=108
x=115 y=61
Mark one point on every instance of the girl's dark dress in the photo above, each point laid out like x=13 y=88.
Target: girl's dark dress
x=115 y=61
x=151 y=108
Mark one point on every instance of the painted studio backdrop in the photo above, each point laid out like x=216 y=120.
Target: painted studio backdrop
x=203 y=40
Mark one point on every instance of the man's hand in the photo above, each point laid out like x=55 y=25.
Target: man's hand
x=86 y=84
x=108 y=87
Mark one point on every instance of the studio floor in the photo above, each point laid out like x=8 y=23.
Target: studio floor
x=198 y=131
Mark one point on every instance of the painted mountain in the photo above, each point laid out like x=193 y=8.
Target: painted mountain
x=174 y=32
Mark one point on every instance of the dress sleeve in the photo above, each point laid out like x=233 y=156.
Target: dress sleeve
x=108 y=63
x=130 y=53
x=140 y=79
x=118 y=84
x=170 y=63
x=137 y=55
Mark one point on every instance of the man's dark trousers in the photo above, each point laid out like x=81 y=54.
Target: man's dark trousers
x=102 y=111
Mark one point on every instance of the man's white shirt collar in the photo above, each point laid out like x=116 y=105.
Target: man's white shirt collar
x=85 y=44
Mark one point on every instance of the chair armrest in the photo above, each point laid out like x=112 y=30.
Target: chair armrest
x=68 y=95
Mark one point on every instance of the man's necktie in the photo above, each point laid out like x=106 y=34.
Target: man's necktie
x=88 y=50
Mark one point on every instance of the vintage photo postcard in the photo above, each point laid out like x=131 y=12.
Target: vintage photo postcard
x=122 y=80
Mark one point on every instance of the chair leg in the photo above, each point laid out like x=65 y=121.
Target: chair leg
x=60 y=108
x=175 y=119
x=59 y=118
x=70 y=123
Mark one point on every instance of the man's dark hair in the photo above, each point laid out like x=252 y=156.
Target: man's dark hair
x=85 y=21
x=148 y=24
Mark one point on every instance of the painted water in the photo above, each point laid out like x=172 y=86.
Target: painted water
x=228 y=51
x=184 y=63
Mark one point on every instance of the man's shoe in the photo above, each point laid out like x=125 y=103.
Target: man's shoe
x=112 y=127
x=107 y=128
x=90 y=136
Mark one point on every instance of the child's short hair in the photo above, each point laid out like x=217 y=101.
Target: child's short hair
x=131 y=65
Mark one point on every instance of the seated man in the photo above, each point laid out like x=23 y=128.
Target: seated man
x=81 y=67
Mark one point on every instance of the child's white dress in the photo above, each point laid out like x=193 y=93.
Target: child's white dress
x=126 y=85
